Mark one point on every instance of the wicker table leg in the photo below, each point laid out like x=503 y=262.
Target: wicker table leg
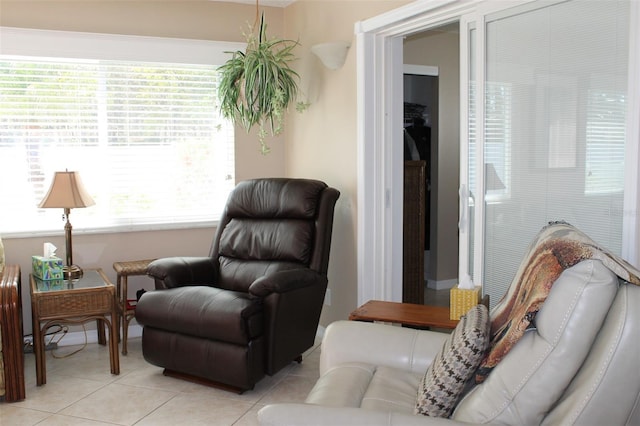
x=100 y=325
x=38 y=350
x=123 y=271
x=113 y=343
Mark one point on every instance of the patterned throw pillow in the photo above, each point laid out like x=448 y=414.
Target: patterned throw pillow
x=454 y=365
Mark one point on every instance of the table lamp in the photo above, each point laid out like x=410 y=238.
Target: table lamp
x=67 y=192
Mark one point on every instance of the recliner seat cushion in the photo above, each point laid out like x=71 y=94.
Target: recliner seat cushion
x=202 y=311
x=367 y=386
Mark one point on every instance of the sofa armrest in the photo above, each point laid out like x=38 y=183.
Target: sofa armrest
x=379 y=344
x=317 y=415
x=171 y=272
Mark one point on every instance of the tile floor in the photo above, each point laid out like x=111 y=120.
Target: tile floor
x=81 y=391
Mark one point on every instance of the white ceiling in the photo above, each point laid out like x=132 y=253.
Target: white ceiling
x=274 y=3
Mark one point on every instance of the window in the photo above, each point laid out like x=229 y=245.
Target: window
x=146 y=136
x=606 y=136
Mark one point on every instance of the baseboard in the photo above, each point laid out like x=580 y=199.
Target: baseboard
x=442 y=284
x=78 y=337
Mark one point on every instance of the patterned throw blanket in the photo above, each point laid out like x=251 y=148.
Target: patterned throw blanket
x=557 y=246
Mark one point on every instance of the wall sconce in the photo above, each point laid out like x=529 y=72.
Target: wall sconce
x=332 y=54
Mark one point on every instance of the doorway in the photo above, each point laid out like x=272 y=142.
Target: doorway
x=431 y=92
x=421 y=130
x=420 y=136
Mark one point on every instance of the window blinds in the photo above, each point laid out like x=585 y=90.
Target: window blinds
x=147 y=138
x=558 y=71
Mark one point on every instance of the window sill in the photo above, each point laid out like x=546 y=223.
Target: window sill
x=112 y=229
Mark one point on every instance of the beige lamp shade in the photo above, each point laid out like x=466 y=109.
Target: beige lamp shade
x=67 y=191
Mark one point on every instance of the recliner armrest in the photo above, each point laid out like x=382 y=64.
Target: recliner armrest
x=170 y=272
x=283 y=281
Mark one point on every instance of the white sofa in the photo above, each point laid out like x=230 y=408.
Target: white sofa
x=579 y=364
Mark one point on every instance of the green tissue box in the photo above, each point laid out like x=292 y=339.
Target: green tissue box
x=47 y=268
x=50 y=285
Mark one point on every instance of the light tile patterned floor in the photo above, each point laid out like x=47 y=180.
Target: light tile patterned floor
x=81 y=391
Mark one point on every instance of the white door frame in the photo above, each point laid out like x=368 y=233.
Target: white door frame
x=380 y=179
x=379 y=141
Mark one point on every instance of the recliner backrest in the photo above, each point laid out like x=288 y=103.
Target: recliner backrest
x=606 y=390
x=271 y=225
x=524 y=387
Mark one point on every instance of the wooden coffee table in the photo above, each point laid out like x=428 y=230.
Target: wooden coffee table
x=91 y=297
x=407 y=314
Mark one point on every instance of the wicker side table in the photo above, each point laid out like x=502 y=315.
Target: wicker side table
x=91 y=297
x=126 y=306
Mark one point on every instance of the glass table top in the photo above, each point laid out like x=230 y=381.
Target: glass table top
x=90 y=279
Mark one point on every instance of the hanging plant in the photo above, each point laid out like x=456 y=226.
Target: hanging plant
x=257 y=85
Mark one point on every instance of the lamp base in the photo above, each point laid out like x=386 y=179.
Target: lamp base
x=72 y=272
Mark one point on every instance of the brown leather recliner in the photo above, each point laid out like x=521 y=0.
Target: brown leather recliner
x=253 y=305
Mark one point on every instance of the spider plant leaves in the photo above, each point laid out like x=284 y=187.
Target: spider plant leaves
x=258 y=85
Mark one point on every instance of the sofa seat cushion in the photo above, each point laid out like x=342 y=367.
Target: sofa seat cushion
x=443 y=383
x=367 y=386
x=204 y=312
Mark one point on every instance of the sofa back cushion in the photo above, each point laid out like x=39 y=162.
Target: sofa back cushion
x=533 y=375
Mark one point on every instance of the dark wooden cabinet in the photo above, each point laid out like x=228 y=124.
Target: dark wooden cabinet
x=414 y=232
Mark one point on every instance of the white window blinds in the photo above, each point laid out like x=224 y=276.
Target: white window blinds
x=605 y=142
x=146 y=137
x=563 y=136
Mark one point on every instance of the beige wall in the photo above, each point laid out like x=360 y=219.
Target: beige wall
x=199 y=19
x=441 y=49
x=320 y=143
